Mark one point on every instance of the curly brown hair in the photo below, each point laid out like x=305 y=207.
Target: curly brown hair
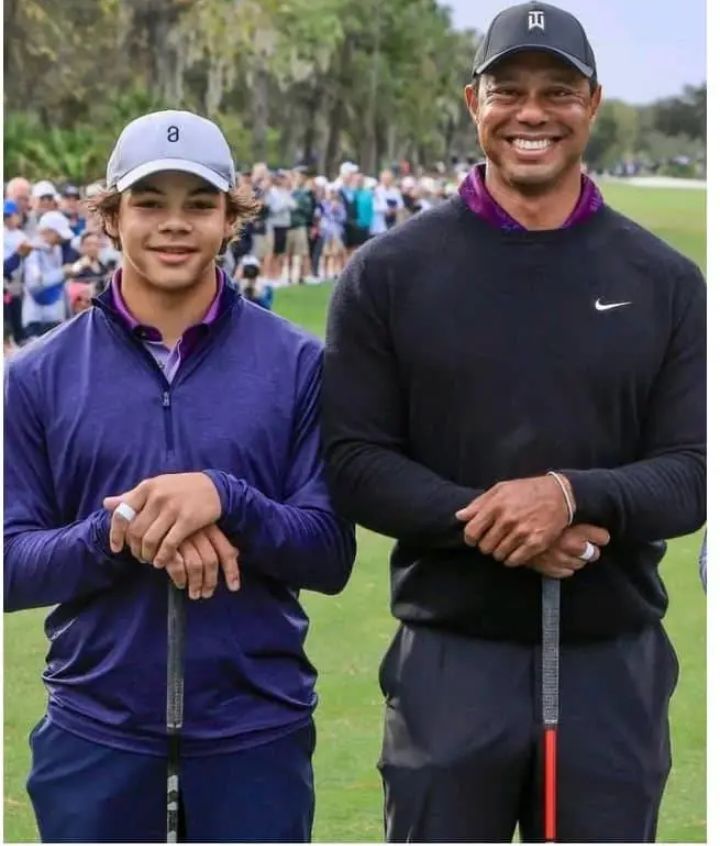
x=241 y=208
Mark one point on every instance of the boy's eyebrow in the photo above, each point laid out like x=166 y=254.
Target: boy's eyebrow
x=207 y=188
x=144 y=188
x=149 y=188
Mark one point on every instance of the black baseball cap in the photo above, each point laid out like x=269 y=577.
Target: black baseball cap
x=536 y=26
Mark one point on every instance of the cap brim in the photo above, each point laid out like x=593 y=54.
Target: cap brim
x=163 y=165
x=584 y=69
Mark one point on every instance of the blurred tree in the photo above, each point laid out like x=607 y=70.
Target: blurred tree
x=289 y=81
x=683 y=115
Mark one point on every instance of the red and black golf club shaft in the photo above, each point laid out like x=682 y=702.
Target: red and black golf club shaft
x=550 y=700
x=174 y=702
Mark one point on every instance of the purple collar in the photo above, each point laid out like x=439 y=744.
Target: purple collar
x=479 y=200
x=150 y=333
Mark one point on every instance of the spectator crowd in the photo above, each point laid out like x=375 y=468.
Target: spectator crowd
x=57 y=256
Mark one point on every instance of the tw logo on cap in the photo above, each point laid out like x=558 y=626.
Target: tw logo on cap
x=536 y=20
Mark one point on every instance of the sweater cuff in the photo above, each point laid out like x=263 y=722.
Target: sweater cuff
x=591 y=491
x=232 y=510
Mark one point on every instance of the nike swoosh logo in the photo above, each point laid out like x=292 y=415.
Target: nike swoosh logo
x=607 y=306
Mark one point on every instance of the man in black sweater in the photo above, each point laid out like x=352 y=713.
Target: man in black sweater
x=553 y=402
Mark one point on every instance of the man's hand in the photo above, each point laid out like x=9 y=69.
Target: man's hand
x=516 y=521
x=169 y=509
x=24 y=248
x=563 y=557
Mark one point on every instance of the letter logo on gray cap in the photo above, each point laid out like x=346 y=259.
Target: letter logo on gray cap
x=536 y=20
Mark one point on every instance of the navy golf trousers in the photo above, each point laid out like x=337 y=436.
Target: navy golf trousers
x=461 y=758
x=83 y=792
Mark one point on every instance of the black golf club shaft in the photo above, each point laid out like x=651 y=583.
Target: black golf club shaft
x=174 y=712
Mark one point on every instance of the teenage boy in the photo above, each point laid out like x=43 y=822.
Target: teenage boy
x=197 y=410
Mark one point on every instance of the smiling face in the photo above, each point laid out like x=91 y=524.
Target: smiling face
x=171 y=226
x=534 y=113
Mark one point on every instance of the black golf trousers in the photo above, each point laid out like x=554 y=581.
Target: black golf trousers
x=461 y=758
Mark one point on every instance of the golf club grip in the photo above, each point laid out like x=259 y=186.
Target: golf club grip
x=174 y=703
x=550 y=651
x=175 y=651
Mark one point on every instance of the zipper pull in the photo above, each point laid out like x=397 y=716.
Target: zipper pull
x=166 y=399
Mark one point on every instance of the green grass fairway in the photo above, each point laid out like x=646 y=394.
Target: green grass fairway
x=350 y=632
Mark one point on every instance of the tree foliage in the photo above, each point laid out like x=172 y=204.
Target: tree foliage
x=288 y=80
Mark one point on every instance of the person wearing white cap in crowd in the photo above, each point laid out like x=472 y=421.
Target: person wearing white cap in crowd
x=153 y=439
x=44 y=302
x=347 y=171
x=43 y=198
x=247 y=277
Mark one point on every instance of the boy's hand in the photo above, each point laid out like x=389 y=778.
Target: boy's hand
x=199 y=560
x=168 y=510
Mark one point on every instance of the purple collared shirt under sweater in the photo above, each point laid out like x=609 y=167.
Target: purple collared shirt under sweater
x=479 y=200
x=168 y=360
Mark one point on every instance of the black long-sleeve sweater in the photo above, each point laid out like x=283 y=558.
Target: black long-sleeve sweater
x=459 y=355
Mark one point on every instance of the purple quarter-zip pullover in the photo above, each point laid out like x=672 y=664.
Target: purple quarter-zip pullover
x=478 y=199
x=88 y=414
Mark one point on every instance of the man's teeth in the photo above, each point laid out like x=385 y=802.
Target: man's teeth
x=525 y=144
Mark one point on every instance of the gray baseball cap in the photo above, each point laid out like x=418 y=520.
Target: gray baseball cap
x=171 y=140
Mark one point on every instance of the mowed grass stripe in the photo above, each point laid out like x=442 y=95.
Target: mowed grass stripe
x=349 y=633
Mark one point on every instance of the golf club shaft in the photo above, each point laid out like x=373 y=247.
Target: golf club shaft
x=174 y=712
x=550 y=699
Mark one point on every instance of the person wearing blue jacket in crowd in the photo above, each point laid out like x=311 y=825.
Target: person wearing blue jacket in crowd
x=16 y=247
x=198 y=411
x=47 y=268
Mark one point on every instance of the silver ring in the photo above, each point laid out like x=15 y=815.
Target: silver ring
x=127 y=512
x=589 y=552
